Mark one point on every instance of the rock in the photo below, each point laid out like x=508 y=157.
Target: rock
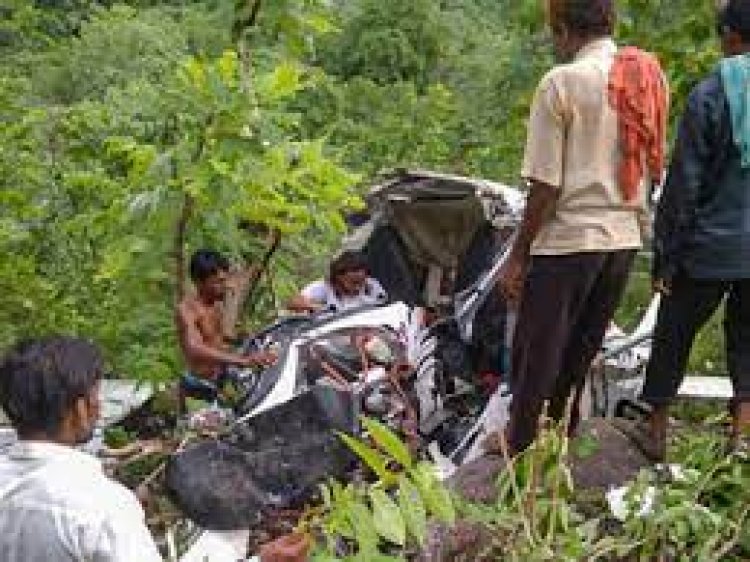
x=614 y=461
x=475 y=481
x=611 y=461
x=465 y=541
x=289 y=548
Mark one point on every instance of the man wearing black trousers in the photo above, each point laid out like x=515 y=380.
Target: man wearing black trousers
x=702 y=233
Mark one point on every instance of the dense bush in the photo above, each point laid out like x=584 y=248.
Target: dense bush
x=112 y=114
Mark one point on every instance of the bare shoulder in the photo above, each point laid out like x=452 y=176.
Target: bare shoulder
x=186 y=310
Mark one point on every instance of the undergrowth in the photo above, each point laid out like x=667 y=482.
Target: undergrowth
x=695 y=510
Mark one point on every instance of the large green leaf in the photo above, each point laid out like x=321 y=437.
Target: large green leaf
x=372 y=458
x=388 y=441
x=389 y=522
x=284 y=81
x=436 y=496
x=413 y=509
x=365 y=533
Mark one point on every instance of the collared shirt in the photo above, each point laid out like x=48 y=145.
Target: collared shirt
x=702 y=225
x=56 y=504
x=321 y=292
x=573 y=145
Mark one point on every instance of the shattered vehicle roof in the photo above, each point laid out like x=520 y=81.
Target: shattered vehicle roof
x=422 y=184
x=436 y=216
x=429 y=197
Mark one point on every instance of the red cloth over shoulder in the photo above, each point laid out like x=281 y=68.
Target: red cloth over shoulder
x=639 y=95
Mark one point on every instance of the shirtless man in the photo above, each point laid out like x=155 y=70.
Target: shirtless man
x=200 y=328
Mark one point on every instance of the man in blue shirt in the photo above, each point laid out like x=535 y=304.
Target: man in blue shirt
x=702 y=231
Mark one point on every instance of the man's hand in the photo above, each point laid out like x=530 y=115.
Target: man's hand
x=663 y=287
x=302 y=305
x=260 y=359
x=540 y=207
x=512 y=278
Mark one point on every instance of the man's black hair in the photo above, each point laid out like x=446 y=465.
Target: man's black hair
x=347 y=261
x=736 y=17
x=587 y=18
x=40 y=381
x=206 y=263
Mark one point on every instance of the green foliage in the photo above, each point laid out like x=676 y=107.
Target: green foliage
x=413 y=508
x=455 y=98
x=682 y=34
x=111 y=113
x=698 y=512
x=388 y=441
x=384 y=519
x=109 y=131
x=117 y=437
x=534 y=516
x=701 y=512
x=388 y=42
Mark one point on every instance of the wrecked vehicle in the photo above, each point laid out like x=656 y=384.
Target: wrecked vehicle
x=435 y=242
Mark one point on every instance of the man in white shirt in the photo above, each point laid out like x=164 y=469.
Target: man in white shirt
x=348 y=286
x=55 y=501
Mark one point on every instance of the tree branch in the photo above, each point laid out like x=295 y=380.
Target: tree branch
x=188 y=203
x=179 y=244
x=264 y=262
x=246 y=20
x=245 y=283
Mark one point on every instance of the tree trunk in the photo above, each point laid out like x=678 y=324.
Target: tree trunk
x=179 y=245
x=237 y=292
x=243 y=281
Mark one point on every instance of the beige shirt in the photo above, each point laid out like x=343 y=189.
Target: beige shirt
x=573 y=145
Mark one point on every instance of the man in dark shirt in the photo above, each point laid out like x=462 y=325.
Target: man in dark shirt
x=702 y=231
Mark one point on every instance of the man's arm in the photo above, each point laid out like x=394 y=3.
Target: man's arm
x=300 y=303
x=543 y=166
x=195 y=347
x=540 y=207
x=310 y=299
x=688 y=172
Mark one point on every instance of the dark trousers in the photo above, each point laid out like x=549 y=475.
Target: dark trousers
x=567 y=304
x=681 y=315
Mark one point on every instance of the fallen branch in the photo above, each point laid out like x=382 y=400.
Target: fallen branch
x=142 y=487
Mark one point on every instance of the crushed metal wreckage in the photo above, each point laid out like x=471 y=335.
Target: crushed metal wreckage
x=435 y=243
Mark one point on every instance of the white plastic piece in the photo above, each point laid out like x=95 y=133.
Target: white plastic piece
x=445 y=466
x=494 y=419
x=618 y=502
x=717 y=388
x=218 y=546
